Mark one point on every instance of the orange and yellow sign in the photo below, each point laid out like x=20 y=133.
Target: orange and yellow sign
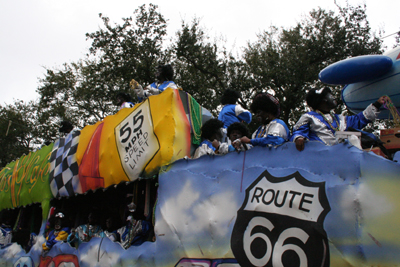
x=134 y=143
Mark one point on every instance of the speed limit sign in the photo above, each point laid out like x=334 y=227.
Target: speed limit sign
x=281 y=223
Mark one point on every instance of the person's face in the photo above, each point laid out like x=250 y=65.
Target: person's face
x=263 y=117
x=129 y=218
x=218 y=135
x=91 y=219
x=120 y=101
x=158 y=74
x=235 y=134
x=58 y=224
x=330 y=101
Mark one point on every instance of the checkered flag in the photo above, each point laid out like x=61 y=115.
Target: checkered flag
x=64 y=169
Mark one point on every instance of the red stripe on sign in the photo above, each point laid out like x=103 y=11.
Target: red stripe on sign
x=89 y=173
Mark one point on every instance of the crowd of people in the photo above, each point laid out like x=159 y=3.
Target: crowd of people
x=134 y=232
x=320 y=124
x=229 y=131
x=110 y=214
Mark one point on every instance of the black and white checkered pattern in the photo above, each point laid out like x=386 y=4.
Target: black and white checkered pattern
x=64 y=169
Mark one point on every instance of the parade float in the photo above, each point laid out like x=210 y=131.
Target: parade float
x=268 y=206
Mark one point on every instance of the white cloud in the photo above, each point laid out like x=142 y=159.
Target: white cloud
x=372 y=203
x=107 y=258
x=362 y=201
x=190 y=214
x=12 y=251
x=216 y=212
x=176 y=210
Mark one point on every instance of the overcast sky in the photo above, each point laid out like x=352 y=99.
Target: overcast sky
x=47 y=33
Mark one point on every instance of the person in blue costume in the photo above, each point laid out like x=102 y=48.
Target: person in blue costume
x=85 y=232
x=321 y=124
x=273 y=131
x=109 y=231
x=235 y=131
x=5 y=230
x=231 y=111
x=164 y=75
x=136 y=231
x=124 y=100
x=58 y=234
x=211 y=133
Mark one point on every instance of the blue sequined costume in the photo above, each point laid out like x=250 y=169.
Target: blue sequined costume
x=316 y=127
x=274 y=133
x=234 y=113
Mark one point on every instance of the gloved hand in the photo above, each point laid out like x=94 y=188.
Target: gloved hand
x=137 y=88
x=152 y=91
x=139 y=91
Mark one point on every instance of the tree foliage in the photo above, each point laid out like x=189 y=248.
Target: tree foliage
x=397 y=39
x=130 y=50
x=287 y=61
x=18 y=134
x=200 y=65
x=83 y=92
x=205 y=68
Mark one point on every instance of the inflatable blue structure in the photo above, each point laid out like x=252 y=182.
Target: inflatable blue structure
x=366 y=78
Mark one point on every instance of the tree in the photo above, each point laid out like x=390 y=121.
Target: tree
x=131 y=50
x=17 y=135
x=75 y=93
x=287 y=61
x=200 y=65
x=397 y=39
x=84 y=91
x=205 y=68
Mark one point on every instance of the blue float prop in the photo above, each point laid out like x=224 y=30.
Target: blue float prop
x=368 y=81
x=356 y=69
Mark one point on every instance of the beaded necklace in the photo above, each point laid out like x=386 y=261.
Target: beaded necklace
x=262 y=132
x=330 y=124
